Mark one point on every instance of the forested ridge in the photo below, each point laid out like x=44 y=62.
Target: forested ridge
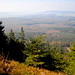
x=35 y=53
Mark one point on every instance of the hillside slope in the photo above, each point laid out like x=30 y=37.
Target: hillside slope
x=15 y=68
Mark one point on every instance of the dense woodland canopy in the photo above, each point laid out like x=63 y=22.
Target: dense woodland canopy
x=37 y=52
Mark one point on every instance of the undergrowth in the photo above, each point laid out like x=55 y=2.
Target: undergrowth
x=8 y=67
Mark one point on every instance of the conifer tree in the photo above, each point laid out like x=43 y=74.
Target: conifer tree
x=12 y=35
x=34 y=51
x=22 y=35
x=3 y=38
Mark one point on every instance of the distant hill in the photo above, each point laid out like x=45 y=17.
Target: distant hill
x=60 y=12
x=19 y=14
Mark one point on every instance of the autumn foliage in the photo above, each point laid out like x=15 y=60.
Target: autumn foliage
x=15 y=68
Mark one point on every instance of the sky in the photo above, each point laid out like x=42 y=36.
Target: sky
x=35 y=6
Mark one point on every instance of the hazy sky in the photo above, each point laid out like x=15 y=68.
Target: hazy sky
x=34 y=6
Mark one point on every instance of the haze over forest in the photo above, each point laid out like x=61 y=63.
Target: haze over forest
x=53 y=18
x=48 y=18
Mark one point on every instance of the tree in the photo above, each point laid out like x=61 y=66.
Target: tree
x=22 y=35
x=53 y=60
x=34 y=51
x=15 y=48
x=3 y=40
x=12 y=35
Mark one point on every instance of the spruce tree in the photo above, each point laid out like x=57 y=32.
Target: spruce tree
x=3 y=39
x=34 y=51
x=22 y=35
x=15 y=47
x=12 y=35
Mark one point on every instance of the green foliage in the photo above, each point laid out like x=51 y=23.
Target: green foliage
x=3 y=40
x=12 y=35
x=33 y=60
x=15 y=50
x=35 y=50
x=72 y=46
x=54 y=60
x=70 y=69
x=22 y=35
